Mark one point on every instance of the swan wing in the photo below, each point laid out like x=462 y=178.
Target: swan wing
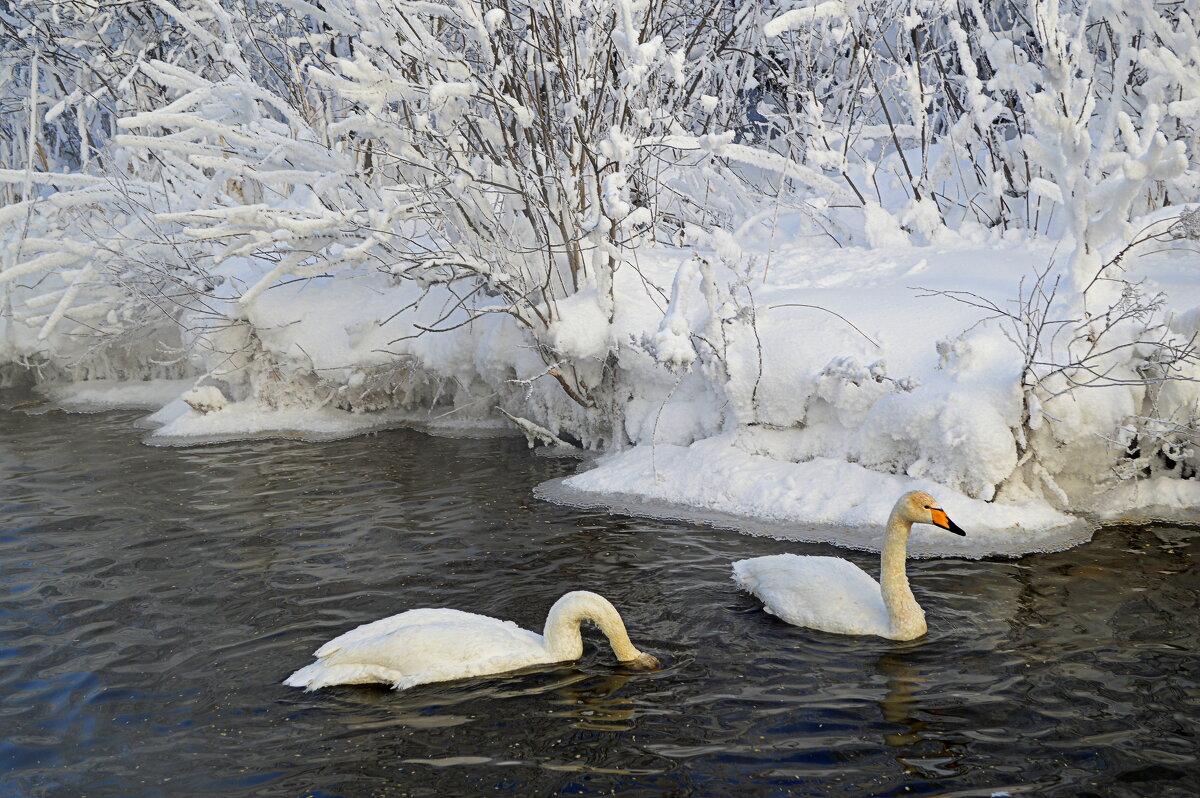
x=826 y=593
x=420 y=646
x=385 y=626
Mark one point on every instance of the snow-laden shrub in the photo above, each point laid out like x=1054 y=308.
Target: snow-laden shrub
x=94 y=286
x=541 y=142
x=1099 y=393
x=1049 y=115
x=92 y=283
x=66 y=74
x=506 y=160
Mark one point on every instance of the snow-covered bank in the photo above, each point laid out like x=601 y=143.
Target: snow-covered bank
x=923 y=245
x=814 y=499
x=1144 y=501
x=841 y=387
x=177 y=424
x=90 y=396
x=716 y=482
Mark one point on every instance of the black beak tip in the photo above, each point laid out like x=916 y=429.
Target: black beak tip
x=955 y=528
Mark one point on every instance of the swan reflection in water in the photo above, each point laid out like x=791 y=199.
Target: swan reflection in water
x=925 y=754
x=900 y=703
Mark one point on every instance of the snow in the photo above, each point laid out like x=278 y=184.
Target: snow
x=829 y=9
x=1172 y=501
x=716 y=481
x=94 y=396
x=882 y=229
x=177 y=424
x=205 y=399
x=583 y=331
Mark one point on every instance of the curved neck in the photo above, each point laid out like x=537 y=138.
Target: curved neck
x=562 y=626
x=904 y=614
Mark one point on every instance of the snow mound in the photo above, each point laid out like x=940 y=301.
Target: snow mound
x=95 y=396
x=177 y=424
x=1160 y=500
x=180 y=425
x=822 y=500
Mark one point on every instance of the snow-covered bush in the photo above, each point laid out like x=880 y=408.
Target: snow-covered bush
x=539 y=141
x=94 y=287
x=1004 y=115
x=92 y=283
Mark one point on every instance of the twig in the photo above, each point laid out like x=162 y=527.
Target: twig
x=827 y=310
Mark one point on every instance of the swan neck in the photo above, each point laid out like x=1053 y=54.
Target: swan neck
x=562 y=636
x=904 y=614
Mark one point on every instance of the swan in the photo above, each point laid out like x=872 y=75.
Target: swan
x=437 y=645
x=835 y=595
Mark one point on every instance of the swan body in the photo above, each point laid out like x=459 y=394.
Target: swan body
x=438 y=645
x=835 y=595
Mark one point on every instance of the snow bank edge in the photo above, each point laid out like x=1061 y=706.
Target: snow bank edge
x=556 y=491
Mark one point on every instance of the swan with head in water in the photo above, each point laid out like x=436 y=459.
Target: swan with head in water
x=439 y=645
x=835 y=595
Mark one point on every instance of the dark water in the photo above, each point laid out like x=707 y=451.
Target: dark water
x=151 y=601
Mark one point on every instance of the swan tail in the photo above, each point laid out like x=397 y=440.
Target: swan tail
x=308 y=677
x=322 y=674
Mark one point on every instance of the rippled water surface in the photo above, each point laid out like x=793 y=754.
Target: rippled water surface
x=151 y=601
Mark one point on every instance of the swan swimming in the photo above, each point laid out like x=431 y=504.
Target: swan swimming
x=438 y=645
x=835 y=595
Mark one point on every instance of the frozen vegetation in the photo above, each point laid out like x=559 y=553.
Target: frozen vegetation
x=773 y=263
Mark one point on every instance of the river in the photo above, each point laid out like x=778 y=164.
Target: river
x=152 y=601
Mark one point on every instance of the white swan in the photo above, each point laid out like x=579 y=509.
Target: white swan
x=438 y=645
x=835 y=595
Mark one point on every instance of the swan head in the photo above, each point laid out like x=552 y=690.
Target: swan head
x=920 y=508
x=643 y=662
x=562 y=628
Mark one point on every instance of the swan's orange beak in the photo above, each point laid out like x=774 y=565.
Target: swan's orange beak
x=941 y=519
